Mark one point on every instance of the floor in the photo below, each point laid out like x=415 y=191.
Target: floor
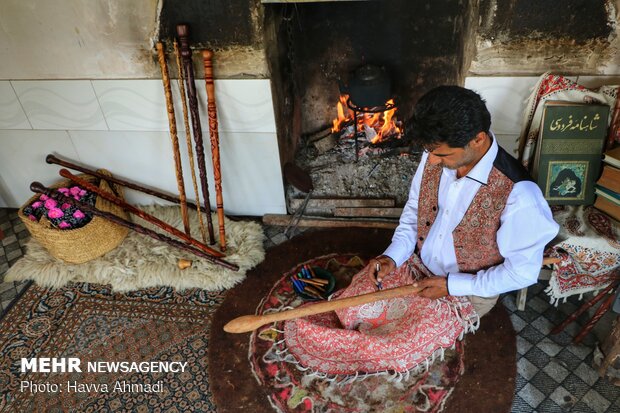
x=554 y=375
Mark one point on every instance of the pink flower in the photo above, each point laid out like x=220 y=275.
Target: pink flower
x=64 y=225
x=32 y=217
x=63 y=191
x=78 y=214
x=50 y=204
x=65 y=206
x=82 y=192
x=37 y=204
x=55 y=213
x=75 y=190
x=43 y=197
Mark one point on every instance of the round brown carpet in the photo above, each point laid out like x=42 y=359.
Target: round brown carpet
x=490 y=354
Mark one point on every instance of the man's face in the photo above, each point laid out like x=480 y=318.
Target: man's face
x=449 y=157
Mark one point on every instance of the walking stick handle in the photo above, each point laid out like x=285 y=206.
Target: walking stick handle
x=248 y=323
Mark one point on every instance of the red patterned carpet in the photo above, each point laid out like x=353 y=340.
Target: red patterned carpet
x=93 y=324
x=487 y=383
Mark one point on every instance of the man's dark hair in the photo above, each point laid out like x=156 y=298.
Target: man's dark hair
x=448 y=114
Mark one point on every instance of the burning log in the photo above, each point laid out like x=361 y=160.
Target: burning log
x=326 y=143
x=322 y=133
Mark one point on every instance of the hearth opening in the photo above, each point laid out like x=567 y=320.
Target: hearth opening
x=345 y=78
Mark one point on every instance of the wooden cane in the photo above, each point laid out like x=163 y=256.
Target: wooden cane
x=188 y=140
x=600 y=312
x=51 y=159
x=186 y=54
x=145 y=216
x=207 y=58
x=39 y=188
x=172 y=122
x=584 y=307
x=252 y=322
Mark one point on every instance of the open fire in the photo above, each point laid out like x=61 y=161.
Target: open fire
x=376 y=129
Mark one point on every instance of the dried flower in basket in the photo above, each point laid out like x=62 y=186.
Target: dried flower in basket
x=62 y=216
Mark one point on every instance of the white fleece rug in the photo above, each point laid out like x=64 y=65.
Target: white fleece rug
x=142 y=262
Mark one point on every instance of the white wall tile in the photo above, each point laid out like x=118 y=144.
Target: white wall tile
x=12 y=115
x=506 y=98
x=251 y=175
x=130 y=105
x=144 y=157
x=22 y=160
x=242 y=105
x=60 y=104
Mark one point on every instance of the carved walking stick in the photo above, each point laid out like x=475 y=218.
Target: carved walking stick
x=188 y=139
x=207 y=57
x=39 y=188
x=247 y=323
x=186 y=54
x=173 y=134
x=145 y=216
x=52 y=159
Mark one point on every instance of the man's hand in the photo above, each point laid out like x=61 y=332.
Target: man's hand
x=386 y=266
x=434 y=287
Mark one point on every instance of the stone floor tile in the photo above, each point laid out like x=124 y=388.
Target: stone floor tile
x=517 y=322
x=595 y=401
x=526 y=369
x=563 y=398
x=556 y=371
x=587 y=374
x=531 y=395
x=549 y=347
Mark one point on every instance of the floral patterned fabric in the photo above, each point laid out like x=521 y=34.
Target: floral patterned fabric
x=555 y=87
x=589 y=253
x=399 y=334
x=479 y=225
x=292 y=388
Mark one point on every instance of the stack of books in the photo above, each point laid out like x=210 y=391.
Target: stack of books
x=607 y=188
x=568 y=154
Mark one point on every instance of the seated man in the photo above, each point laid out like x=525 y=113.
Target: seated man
x=474 y=216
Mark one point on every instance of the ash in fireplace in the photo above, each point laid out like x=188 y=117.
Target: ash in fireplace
x=335 y=173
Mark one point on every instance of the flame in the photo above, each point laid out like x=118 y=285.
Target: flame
x=342 y=118
x=382 y=122
x=389 y=126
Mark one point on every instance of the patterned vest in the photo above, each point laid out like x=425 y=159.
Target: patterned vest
x=475 y=242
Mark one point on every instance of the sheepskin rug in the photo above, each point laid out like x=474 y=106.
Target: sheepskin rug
x=142 y=262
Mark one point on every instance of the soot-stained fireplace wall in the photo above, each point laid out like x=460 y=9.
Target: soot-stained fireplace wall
x=312 y=48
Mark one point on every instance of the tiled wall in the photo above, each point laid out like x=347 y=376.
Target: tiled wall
x=122 y=125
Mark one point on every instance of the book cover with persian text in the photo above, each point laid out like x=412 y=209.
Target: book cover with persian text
x=569 y=152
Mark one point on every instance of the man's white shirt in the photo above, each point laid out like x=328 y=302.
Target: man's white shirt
x=526 y=227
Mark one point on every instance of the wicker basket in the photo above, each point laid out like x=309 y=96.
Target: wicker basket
x=83 y=244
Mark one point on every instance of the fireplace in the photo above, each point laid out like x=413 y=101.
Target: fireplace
x=318 y=51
